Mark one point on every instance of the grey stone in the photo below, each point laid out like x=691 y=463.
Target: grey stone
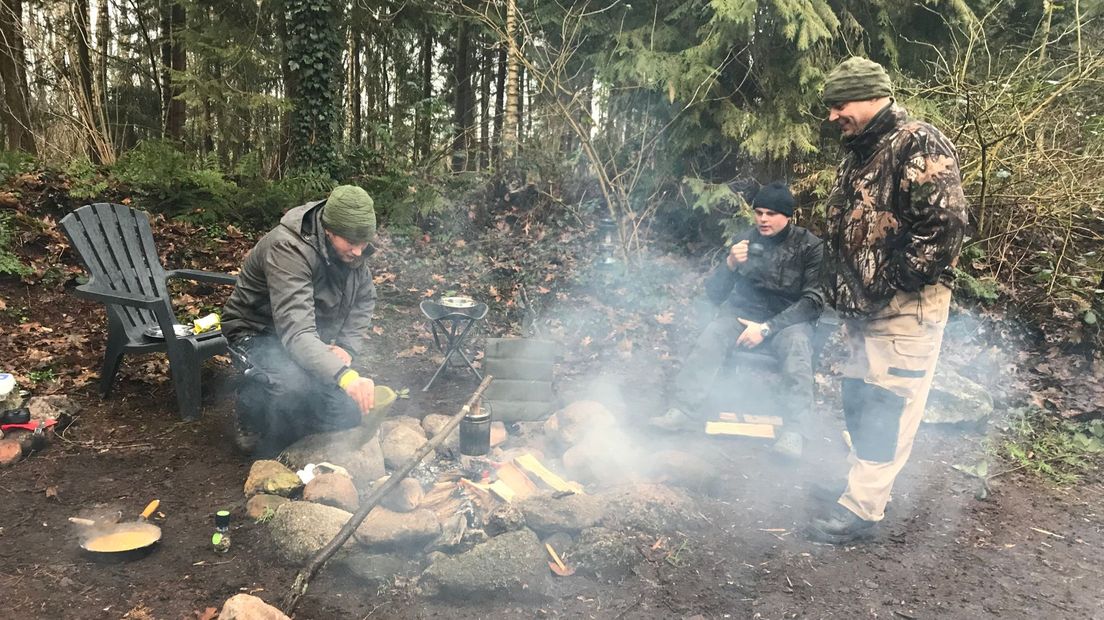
x=357 y=450
x=609 y=457
x=954 y=399
x=546 y=514
x=249 y=607
x=400 y=444
x=404 y=497
x=505 y=517
x=376 y=570
x=299 y=529
x=604 y=553
x=384 y=529
x=390 y=424
x=685 y=470
x=650 y=508
x=577 y=421
x=511 y=567
x=271 y=477
x=433 y=424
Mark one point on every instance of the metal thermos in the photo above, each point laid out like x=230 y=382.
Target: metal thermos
x=475 y=432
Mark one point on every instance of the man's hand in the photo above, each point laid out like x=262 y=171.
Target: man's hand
x=363 y=393
x=752 y=335
x=738 y=254
x=342 y=355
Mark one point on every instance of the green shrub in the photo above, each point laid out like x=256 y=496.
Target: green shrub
x=9 y=262
x=14 y=162
x=85 y=182
x=167 y=181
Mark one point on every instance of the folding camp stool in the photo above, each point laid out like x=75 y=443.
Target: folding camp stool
x=451 y=327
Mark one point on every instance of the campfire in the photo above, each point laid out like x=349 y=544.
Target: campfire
x=546 y=499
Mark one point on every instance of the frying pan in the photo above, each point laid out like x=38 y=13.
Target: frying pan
x=121 y=541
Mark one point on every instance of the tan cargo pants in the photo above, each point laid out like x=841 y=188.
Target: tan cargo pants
x=885 y=388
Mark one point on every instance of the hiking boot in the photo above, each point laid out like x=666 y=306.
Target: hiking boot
x=827 y=492
x=789 y=446
x=675 y=420
x=840 y=526
x=246 y=439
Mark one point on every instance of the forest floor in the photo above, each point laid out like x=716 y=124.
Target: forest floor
x=1030 y=550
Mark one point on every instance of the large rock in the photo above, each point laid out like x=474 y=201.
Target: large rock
x=684 y=469
x=954 y=398
x=262 y=507
x=299 y=529
x=433 y=424
x=53 y=406
x=334 y=489
x=400 y=444
x=547 y=515
x=604 y=553
x=356 y=450
x=10 y=452
x=578 y=420
x=650 y=508
x=404 y=497
x=391 y=424
x=271 y=477
x=377 y=570
x=512 y=566
x=609 y=457
x=385 y=529
x=249 y=607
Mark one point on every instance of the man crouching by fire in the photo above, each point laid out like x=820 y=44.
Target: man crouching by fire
x=769 y=293
x=894 y=230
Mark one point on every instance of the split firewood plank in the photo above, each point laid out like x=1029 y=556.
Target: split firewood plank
x=765 y=431
x=530 y=464
x=517 y=480
x=750 y=418
x=503 y=490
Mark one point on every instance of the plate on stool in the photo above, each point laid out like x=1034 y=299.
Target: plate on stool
x=154 y=331
x=457 y=302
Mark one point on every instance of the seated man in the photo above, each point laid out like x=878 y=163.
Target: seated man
x=769 y=293
x=299 y=317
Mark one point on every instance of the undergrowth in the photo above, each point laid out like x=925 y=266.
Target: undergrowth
x=1059 y=450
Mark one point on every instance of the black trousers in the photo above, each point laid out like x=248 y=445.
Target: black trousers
x=281 y=402
x=792 y=347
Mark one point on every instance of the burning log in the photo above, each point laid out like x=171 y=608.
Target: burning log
x=319 y=559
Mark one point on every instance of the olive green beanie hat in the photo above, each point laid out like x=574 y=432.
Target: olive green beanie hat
x=856 y=79
x=350 y=213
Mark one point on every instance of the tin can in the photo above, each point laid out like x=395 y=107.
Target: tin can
x=475 y=432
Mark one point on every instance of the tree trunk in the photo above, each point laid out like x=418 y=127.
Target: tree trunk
x=423 y=122
x=354 y=84
x=485 y=106
x=86 y=108
x=103 y=42
x=173 y=58
x=283 y=153
x=13 y=76
x=461 y=115
x=500 y=91
x=510 y=124
x=521 y=105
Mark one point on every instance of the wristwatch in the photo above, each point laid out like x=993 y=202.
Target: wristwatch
x=765 y=330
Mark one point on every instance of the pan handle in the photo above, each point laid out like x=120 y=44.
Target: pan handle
x=150 y=508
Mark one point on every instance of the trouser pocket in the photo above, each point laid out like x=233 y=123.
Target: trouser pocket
x=873 y=417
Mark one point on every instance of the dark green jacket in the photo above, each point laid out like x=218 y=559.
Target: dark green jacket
x=778 y=284
x=896 y=215
x=289 y=286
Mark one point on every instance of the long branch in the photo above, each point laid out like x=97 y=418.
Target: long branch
x=320 y=557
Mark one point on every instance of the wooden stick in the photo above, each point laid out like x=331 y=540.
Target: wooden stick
x=320 y=557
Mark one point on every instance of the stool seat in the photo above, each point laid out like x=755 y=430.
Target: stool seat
x=450 y=327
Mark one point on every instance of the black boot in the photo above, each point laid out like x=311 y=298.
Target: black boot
x=840 y=526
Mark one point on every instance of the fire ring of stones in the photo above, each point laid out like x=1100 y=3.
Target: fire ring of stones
x=564 y=496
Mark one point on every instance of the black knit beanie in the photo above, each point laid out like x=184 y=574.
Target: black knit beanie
x=776 y=197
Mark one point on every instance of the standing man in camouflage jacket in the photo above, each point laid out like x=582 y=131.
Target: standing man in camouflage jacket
x=895 y=224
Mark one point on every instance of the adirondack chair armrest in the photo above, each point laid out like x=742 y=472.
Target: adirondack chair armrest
x=210 y=277
x=118 y=297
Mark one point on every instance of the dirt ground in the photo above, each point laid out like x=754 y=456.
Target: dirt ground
x=1029 y=551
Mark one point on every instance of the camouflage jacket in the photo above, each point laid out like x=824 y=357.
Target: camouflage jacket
x=896 y=215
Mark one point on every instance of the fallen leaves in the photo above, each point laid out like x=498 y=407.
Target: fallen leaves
x=665 y=318
x=412 y=351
